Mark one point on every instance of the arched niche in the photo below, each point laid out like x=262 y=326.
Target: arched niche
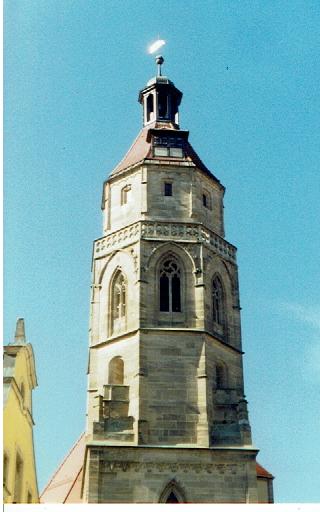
x=120 y=262
x=116 y=371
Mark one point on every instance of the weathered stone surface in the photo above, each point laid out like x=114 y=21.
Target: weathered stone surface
x=178 y=416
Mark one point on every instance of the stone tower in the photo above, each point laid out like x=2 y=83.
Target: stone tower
x=167 y=416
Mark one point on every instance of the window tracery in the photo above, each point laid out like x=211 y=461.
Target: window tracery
x=217 y=302
x=118 y=305
x=170 y=286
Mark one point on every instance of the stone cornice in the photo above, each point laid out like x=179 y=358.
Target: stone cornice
x=112 y=458
x=179 y=447
x=163 y=231
x=129 y=334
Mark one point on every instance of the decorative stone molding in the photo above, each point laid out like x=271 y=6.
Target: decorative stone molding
x=165 y=231
x=160 y=467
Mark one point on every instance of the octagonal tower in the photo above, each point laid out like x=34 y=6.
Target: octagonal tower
x=167 y=415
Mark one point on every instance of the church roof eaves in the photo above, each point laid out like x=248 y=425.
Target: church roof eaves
x=141 y=149
x=262 y=472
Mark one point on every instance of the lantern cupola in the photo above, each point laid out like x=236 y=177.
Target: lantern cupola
x=160 y=99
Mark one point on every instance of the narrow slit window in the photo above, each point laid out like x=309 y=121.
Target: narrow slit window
x=168 y=189
x=205 y=200
x=163 y=105
x=150 y=108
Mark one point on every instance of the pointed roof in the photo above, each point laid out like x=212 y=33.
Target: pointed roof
x=141 y=149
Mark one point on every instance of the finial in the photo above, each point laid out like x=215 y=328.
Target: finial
x=20 y=335
x=153 y=48
x=159 y=62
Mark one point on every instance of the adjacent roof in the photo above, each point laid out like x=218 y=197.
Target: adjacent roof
x=65 y=484
x=262 y=472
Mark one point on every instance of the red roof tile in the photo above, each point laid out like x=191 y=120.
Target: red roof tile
x=262 y=473
x=141 y=150
x=65 y=484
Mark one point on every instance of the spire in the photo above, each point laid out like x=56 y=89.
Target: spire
x=20 y=335
x=160 y=99
x=159 y=62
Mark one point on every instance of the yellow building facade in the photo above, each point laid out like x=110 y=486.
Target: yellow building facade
x=19 y=380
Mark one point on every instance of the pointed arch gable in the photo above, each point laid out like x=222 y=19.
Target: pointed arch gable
x=173 y=248
x=172 y=489
x=106 y=273
x=118 y=258
x=180 y=286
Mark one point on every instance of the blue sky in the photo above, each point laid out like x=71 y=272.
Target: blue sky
x=249 y=71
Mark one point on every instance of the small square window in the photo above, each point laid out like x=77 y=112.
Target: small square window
x=176 y=152
x=160 y=151
x=168 y=189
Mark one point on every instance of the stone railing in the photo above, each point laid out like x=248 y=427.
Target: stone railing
x=176 y=231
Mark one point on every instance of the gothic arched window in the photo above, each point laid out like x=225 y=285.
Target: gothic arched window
x=172 y=493
x=118 y=302
x=217 y=302
x=172 y=498
x=170 y=286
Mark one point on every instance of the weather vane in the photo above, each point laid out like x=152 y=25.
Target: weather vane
x=154 y=47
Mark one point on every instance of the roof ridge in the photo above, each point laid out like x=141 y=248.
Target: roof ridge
x=63 y=461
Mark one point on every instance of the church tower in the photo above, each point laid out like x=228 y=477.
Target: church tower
x=167 y=416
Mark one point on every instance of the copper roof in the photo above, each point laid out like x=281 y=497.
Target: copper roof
x=65 y=484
